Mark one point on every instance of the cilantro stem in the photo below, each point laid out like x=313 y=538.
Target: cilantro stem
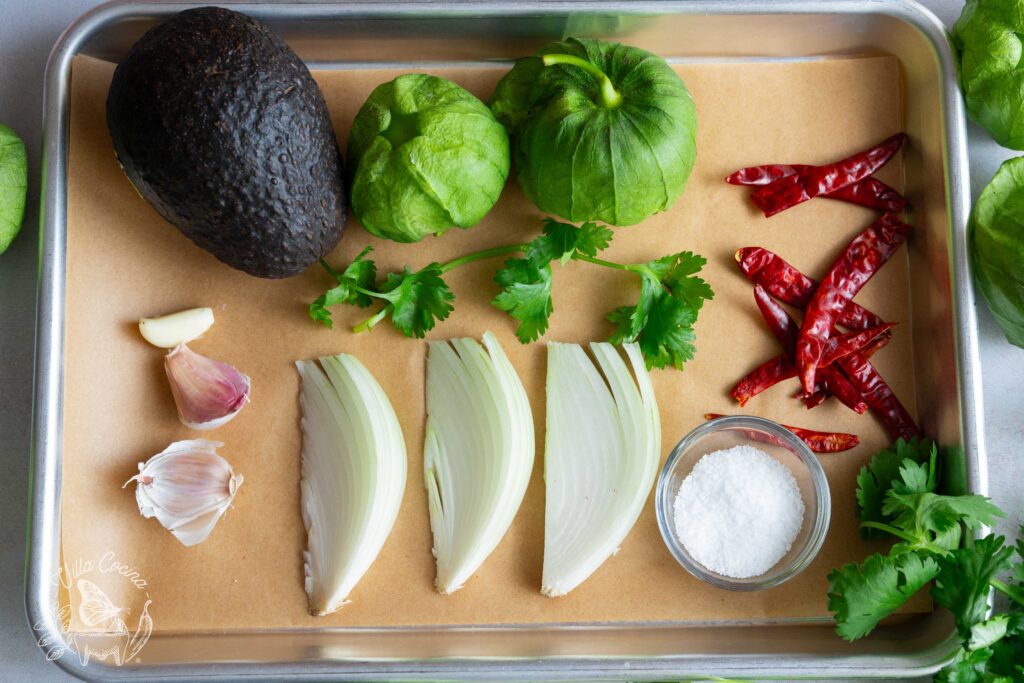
x=368 y=324
x=370 y=292
x=577 y=256
x=330 y=270
x=1012 y=592
x=481 y=255
x=891 y=530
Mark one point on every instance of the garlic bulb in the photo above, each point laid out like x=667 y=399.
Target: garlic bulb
x=208 y=393
x=187 y=487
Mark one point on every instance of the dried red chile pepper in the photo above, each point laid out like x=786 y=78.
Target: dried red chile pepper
x=845 y=344
x=789 y=285
x=763 y=377
x=869 y=192
x=861 y=259
x=879 y=397
x=781 y=368
x=850 y=376
x=827 y=362
x=813 y=181
x=818 y=442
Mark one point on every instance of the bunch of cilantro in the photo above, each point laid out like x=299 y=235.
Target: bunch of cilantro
x=661 y=321
x=897 y=493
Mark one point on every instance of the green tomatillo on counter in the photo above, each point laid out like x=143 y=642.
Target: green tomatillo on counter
x=990 y=39
x=600 y=131
x=13 y=184
x=426 y=155
x=996 y=239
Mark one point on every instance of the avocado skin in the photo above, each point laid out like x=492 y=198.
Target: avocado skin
x=221 y=127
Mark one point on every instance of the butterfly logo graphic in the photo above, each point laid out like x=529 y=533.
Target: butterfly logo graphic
x=97 y=611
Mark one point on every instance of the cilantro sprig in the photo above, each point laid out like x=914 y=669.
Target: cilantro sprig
x=526 y=282
x=898 y=495
x=661 y=321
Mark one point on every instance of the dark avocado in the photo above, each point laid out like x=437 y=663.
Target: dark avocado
x=220 y=126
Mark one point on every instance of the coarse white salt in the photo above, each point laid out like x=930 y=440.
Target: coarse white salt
x=738 y=512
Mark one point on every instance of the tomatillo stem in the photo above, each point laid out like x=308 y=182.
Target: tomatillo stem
x=610 y=97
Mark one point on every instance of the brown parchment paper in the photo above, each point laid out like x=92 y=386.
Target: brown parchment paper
x=125 y=262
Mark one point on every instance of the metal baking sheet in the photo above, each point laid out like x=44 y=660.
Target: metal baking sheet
x=948 y=391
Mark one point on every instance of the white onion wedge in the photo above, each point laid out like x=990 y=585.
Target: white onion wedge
x=601 y=456
x=478 y=453
x=353 y=475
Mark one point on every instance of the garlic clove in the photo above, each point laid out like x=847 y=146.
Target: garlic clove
x=186 y=487
x=207 y=392
x=168 y=331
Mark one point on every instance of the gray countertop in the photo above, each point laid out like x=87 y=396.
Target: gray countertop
x=28 y=30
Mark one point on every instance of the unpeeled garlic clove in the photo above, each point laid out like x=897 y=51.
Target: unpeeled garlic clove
x=208 y=393
x=187 y=487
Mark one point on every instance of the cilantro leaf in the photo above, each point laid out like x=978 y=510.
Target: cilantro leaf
x=987 y=633
x=662 y=320
x=1008 y=653
x=361 y=274
x=660 y=324
x=526 y=296
x=915 y=477
x=526 y=282
x=934 y=520
x=967 y=667
x=1001 y=659
x=876 y=479
x=418 y=299
x=962 y=585
x=862 y=595
x=1017 y=570
x=561 y=241
x=676 y=272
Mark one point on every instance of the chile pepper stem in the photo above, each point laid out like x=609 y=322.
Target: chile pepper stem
x=610 y=97
x=481 y=255
x=368 y=324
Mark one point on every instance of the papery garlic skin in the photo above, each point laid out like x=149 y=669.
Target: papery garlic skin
x=207 y=392
x=353 y=476
x=186 y=487
x=168 y=331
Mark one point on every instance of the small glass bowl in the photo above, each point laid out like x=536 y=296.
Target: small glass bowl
x=780 y=443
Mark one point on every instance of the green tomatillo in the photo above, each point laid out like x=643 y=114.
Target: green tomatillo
x=996 y=239
x=13 y=184
x=426 y=155
x=990 y=39
x=600 y=131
